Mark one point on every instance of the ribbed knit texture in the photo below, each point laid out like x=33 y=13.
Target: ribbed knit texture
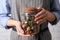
x=17 y=7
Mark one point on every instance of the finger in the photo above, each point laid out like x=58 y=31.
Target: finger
x=41 y=21
x=40 y=17
x=18 y=32
x=19 y=28
x=21 y=34
x=40 y=13
x=39 y=8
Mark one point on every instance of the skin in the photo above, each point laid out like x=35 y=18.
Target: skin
x=17 y=25
x=41 y=17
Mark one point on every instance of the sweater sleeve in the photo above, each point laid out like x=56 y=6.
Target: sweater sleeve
x=55 y=8
x=4 y=12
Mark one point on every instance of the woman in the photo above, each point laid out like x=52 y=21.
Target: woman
x=49 y=12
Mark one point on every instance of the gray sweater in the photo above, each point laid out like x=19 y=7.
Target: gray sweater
x=17 y=7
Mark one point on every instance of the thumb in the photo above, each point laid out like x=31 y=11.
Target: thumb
x=39 y=8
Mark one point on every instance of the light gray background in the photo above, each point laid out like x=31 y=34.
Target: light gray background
x=55 y=31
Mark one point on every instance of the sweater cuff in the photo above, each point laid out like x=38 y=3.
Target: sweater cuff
x=3 y=21
x=57 y=17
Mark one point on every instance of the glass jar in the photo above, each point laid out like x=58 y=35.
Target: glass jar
x=29 y=25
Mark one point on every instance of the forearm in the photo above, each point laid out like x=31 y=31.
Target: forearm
x=50 y=16
x=12 y=23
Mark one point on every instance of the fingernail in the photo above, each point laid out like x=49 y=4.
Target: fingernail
x=35 y=15
x=37 y=22
x=38 y=7
x=18 y=33
x=22 y=32
x=34 y=19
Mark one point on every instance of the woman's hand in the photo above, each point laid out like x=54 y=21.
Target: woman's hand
x=17 y=25
x=43 y=16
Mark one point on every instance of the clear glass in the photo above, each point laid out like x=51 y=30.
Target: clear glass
x=29 y=25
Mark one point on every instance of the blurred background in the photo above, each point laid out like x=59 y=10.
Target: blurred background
x=55 y=31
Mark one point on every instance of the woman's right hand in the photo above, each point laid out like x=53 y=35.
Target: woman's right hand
x=18 y=26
